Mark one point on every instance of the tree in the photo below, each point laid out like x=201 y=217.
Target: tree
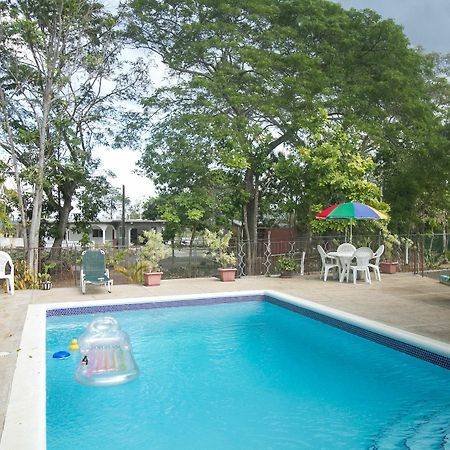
x=56 y=56
x=6 y=226
x=416 y=179
x=253 y=80
x=150 y=209
x=192 y=194
x=331 y=169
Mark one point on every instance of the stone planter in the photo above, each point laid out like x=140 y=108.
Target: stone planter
x=227 y=274
x=46 y=285
x=286 y=274
x=388 y=267
x=152 y=278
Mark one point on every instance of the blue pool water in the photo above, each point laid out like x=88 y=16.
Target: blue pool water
x=246 y=376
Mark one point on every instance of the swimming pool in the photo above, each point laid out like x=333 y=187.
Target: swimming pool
x=252 y=371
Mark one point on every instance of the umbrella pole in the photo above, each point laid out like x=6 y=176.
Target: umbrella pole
x=351 y=232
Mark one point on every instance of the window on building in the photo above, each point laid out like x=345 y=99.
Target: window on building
x=97 y=233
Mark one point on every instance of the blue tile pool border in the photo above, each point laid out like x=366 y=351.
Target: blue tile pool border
x=404 y=347
x=95 y=309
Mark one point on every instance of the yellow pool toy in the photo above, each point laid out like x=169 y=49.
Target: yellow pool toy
x=74 y=345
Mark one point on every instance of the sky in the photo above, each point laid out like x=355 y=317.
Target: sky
x=426 y=23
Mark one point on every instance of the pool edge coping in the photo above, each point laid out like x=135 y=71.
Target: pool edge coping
x=25 y=424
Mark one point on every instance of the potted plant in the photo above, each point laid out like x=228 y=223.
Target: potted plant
x=45 y=279
x=389 y=265
x=218 y=245
x=152 y=252
x=286 y=265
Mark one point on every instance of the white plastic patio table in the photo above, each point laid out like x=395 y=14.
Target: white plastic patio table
x=344 y=258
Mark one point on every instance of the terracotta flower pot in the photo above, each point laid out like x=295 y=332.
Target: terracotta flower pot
x=388 y=267
x=152 y=278
x=227 y=274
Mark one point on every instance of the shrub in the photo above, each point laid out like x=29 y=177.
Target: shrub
x=218 y=244
x=286 y=264
x=23 y=278
x=153 y=250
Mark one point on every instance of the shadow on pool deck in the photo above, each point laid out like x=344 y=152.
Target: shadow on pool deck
x=412 y=303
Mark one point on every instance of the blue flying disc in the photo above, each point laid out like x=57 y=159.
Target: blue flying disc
x=61 y=355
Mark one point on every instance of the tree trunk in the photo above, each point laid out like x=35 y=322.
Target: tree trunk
x=251 y=211
x=444 y=238
x=48 y=72
x=55 y=253
x=39 y=183
x=191 y=243
x=252 y=217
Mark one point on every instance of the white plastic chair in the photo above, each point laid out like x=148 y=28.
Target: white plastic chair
x=363 y=255
x=345 y=262
x=376 y=265
x=343 y=248
x=5 y=260
x=328 y=263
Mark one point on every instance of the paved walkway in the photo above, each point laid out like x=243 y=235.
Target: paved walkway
x=412 y=303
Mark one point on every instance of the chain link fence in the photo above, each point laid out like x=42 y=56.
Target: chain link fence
x=418 y=254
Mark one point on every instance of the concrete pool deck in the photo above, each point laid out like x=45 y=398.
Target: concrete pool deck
x=411 y=303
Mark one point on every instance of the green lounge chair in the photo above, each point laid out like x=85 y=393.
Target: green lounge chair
x=93 y=270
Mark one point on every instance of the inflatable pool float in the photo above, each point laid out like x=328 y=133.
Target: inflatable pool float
x=106 y=356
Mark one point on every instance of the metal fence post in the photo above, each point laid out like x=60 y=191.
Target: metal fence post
x=267 y=257
x=241 y=259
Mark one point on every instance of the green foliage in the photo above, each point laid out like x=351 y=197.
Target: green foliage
x=23 y=277
x=6 y=227
x=134 y=272
x=192 y=193
x=218 y=244
x=391 y=242
x=57 y=105
x=332 y=169
x=433 y=260
x=152 y=251
x=416 y=164
x=275 y=110
x=45 y=276
x=150 y=210
x=116 y=258
x=124 y=261
x=85 y=240
x=286 y=264
x=296 y=104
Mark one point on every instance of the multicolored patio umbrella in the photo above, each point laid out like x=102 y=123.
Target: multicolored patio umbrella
x=350 y=211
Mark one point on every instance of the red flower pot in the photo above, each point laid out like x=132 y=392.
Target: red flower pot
x=227 y=274
x=388 y=267
x=152 y=278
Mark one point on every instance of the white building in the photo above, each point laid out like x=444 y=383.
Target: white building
x=110 y=231
x=101 y=232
